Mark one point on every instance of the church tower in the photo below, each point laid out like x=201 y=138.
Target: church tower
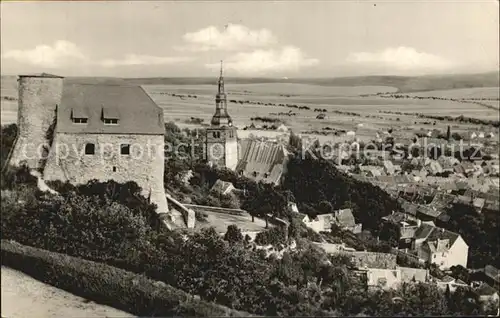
x=221 y=140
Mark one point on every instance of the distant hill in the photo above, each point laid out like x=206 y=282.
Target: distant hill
x=404 y=84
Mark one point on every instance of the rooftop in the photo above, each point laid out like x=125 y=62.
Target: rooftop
x=345 y=217
x=136 y=112
x=46 y=75
x=434 y=234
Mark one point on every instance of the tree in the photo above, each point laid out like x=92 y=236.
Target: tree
x=233 y=234
x=325 y=207
x=268 y=201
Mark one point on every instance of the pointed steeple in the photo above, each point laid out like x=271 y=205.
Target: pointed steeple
x=221 y=117
x=221 y=80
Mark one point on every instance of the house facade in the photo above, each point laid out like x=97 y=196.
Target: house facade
x=441 y=247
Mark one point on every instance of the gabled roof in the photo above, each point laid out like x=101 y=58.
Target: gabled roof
x=485 y=290
x=492 y=272
x=137 y=112
x=262 y=160
x=429 y=211
x=441 y=234
x=410 y=208
x=423 y=231
x=345 y=217
x=221 y=186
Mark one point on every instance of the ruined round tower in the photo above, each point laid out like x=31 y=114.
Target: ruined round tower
x=39 y=95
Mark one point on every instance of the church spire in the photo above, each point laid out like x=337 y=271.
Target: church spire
x=221 y=80
x=221 y=117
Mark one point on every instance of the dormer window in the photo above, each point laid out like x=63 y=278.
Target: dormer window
x=79 y=116
x=108 y=121
x=80 y=120
x=110 y=116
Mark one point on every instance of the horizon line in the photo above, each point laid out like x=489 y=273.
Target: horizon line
x=269 y=77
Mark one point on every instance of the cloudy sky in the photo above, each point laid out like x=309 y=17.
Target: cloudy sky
x=293 y=39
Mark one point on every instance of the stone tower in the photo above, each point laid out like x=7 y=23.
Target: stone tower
x=221 y=139
x=39 y=96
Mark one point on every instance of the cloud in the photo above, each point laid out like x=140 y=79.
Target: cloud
x=286 y=59
x=232 y=37
x=401 y=59
x=61 y=53
x=133 y=59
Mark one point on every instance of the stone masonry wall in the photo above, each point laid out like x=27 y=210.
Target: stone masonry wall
x=145 y=164
x=38 y=99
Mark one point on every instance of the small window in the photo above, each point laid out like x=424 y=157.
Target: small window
x=114 y=169
x=108 y=121
x=214 y=134
x=80 y=120
x=231 y=134
x=125 y=149
x=89 y=149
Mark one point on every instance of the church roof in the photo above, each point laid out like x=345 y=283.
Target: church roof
x=135 y=111
x=261 y=160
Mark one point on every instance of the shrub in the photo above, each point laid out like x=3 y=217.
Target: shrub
x=106 y=284
x=273 y=236
x=233 y=234
x=12 y=177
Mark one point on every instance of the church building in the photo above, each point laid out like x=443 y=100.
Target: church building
x=255 y=159
x=221 y=139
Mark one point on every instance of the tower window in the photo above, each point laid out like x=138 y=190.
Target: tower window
x=114 y=169
x=216 y=134
x=89 y=149
x=125 y=149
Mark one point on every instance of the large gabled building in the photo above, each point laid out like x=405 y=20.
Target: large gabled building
x=77 y=132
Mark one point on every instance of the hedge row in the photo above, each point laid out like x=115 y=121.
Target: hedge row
x=107 y=285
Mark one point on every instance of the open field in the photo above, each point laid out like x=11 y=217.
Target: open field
x=402 y=83
x=184 y=100
x=23 y=296
x=220 y=221
x=463 y=93
x=181 y=107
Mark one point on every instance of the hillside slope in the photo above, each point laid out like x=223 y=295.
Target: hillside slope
x=402 y=83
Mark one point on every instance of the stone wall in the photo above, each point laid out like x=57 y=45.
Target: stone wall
x=144 y=165
x=38 y=100
x=373 y=260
